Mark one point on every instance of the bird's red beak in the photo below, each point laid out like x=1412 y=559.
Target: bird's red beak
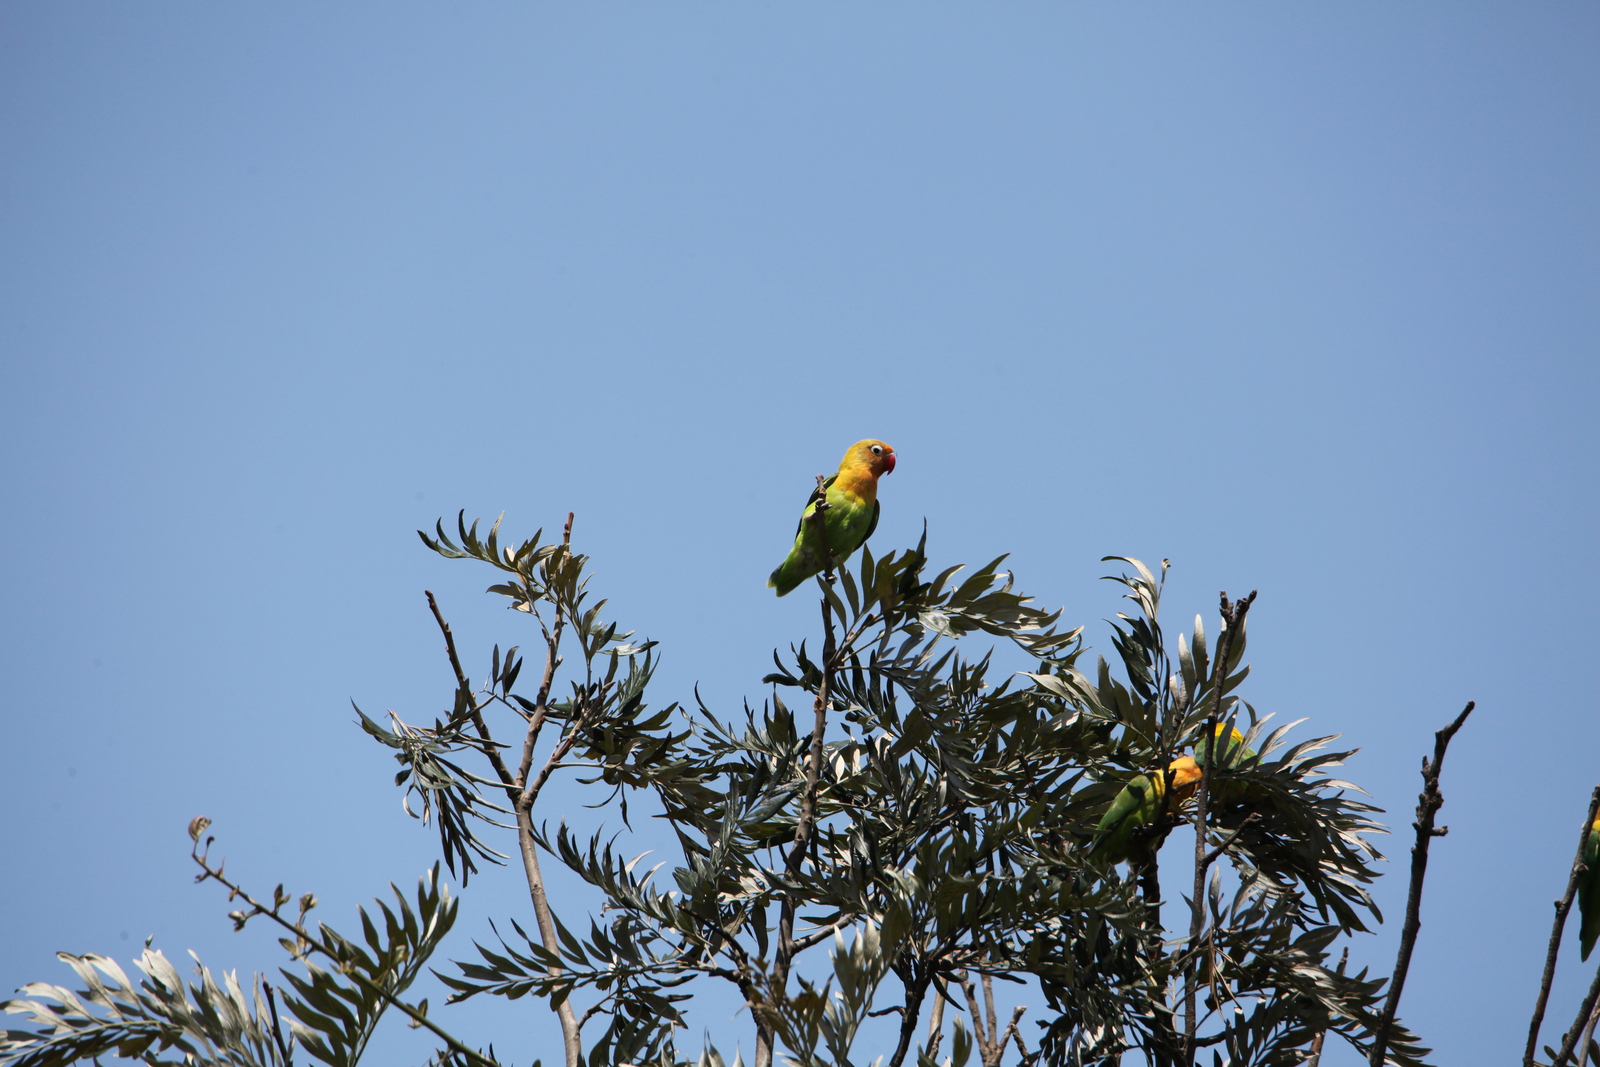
x=888 y=463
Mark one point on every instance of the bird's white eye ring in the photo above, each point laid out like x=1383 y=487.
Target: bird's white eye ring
x=876 y=450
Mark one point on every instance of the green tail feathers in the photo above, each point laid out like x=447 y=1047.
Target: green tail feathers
x=787 y=576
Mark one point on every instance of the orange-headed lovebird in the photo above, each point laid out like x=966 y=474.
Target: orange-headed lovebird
x=1589 y=891
x=852 y=515
x=1144 y=800
x=1141 y=803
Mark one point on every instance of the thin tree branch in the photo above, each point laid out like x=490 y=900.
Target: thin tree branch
x=1163 y=1037
x=1563 y=907
x=936 y=1025
x=1316 y=1049
x=977 y=1019
x=1428 y=805
x=526 y=793
x=277 y=1027
x=304 y=938
x=1211 y=857
x=541 y=704
x=804 y=826
x=1570 y=1041
x=1012 y=1033
x=1233 y=616
x=1586 y=1042
x=915 y=979
x=816 y=937
x=988 y=1010
x=490 y=749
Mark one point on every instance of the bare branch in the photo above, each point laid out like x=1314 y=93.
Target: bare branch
x=1211 y=856
x=490 y=749
x=1563 y=907
x=1569 y=1042
x=1428 y=805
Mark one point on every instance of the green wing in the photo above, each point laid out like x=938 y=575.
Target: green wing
x=876 y=507
x=816 y=495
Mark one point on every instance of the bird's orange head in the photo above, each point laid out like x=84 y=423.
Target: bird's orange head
x=870 y=455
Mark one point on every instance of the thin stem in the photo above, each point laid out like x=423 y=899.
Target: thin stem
x=978 y=1030
x=1428 y=804
x=1563 y=907
x=936 y=1026
x=816 y=937
x=1570 y=1041
x=526 y=793
x=806 y=824
x=304 y=938
x=988 y=1005
x=1211 y=856
x=916 y=990
x=1233 y=616
x=541 y=703
x=1586 y=1042
x=1316 y=1049
x=490 y=749
x=1012 y=1034
x=277 y=1027
x=1149 y=874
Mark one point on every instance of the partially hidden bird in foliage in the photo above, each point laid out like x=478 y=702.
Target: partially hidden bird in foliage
x=1140 y=804
x=1231 y=753
x=850 y=518
x=1589 y=890
x=1145 y=798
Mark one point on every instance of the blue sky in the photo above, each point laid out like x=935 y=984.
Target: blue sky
x=1301 y=297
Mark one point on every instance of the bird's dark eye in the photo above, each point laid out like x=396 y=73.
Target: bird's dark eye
x=876 y=451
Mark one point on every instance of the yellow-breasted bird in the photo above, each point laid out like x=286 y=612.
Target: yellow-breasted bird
x=851 y=516
x=1589 y=891
x=1231 y=752
x=1145 y=799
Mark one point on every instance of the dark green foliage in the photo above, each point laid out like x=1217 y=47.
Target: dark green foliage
x=330 y=1015
x=945 y=843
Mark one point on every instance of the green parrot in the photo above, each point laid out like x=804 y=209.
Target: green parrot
x=851 y=517
x=1589 y=891
x=1224 y=789
x=1142 y=801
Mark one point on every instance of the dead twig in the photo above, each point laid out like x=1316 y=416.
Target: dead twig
x=490 y=749
x=1428 y=804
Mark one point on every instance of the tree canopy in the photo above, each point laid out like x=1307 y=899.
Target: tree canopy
x=901 y=827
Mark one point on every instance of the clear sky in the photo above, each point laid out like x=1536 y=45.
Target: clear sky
x=1302 y=297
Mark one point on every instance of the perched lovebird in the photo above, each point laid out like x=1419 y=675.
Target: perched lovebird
x=1144 y=800
x=1589 y=891
x=851 y=517
x=1140 y=804
x=1230 y=753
